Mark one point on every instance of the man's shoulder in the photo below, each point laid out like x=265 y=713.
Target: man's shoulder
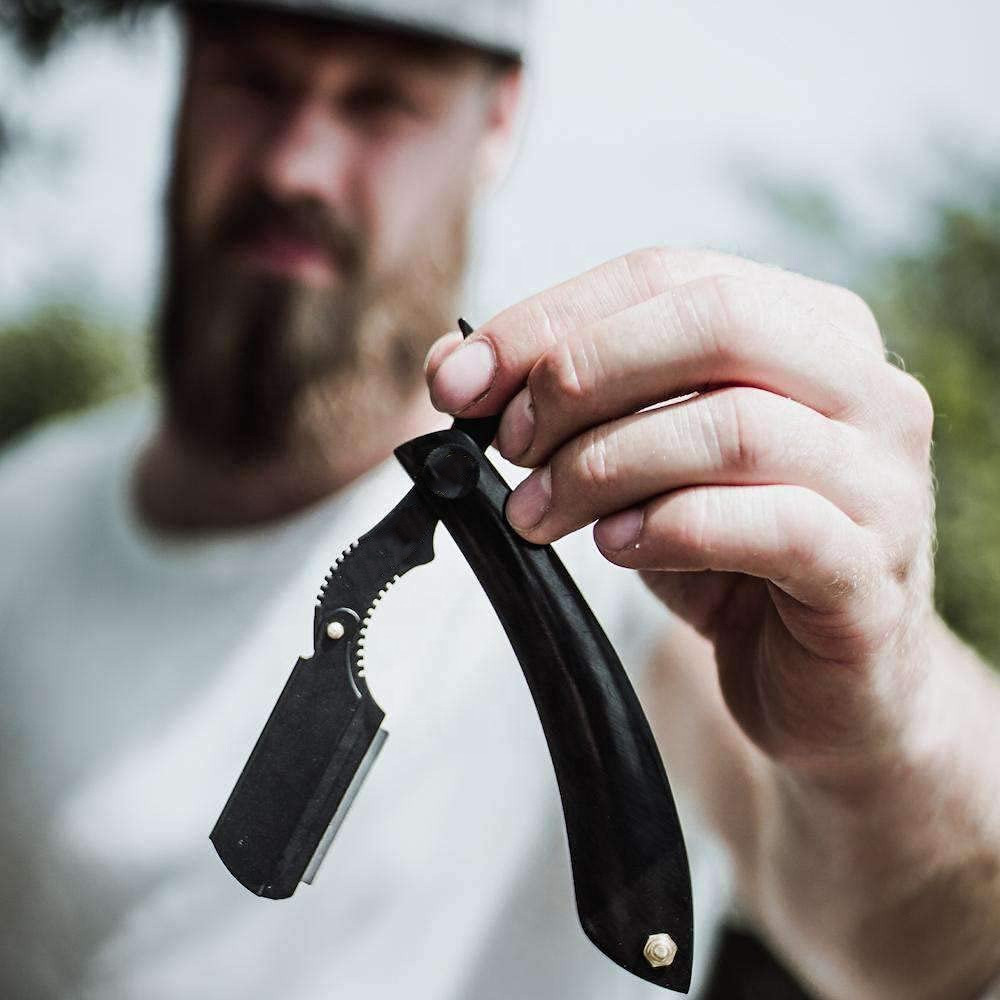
x=54 y=464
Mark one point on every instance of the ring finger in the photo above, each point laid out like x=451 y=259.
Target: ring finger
x=732 y=436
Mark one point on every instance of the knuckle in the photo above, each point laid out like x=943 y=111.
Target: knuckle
x=684 y=532
x=730 y=314
x=908 y=516
x=595 y=465
x=910 y=411
x=863 y=318
x=919 y=410
x=839 y=566
x=911 y=558
x=651 y=268
x=736 y=432
x=731 y=292
x=644 y=259
x=538 y=320
x=897 y=561
x=561 y=374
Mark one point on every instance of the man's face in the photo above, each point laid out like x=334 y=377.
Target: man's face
x=317 y=223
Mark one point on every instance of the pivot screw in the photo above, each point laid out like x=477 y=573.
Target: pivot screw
x=335 y=630
x=450 y=472
x=660 y=950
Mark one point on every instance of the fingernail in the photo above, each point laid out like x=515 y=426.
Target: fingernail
x=619 y=530
x=517 y=427
x=463 y=377
x=529 y=503
x=445 y=343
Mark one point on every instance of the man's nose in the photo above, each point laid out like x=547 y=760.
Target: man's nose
x=306 y=156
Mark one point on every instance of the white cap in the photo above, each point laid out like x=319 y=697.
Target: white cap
x=497 y=26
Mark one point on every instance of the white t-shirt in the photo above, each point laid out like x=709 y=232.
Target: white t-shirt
x=135 y=675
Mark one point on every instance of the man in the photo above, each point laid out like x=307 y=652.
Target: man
x=839 y=739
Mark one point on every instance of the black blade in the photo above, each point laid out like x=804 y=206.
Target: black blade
x=323 y=733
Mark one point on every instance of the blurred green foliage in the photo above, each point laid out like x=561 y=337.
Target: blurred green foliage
x=58 y=360
x=939 y=306
x=937 y=300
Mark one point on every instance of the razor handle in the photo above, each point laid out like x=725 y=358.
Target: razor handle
x=630 y=869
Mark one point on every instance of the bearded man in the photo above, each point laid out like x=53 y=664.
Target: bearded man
x=734 y=430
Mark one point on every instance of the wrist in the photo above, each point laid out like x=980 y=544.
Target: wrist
x=895 y=856
x=929 y=769
x=925 y=705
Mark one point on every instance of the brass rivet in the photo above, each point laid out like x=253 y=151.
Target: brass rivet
x=660 y=950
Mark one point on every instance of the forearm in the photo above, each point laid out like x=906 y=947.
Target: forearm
x=888 y=884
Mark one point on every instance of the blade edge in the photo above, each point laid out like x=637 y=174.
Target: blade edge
x=345 y=804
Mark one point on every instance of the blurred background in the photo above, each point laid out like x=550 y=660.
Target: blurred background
x=856 y=142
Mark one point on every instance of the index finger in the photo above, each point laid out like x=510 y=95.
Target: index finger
x=480 y=377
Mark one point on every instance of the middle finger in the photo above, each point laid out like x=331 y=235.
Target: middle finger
x=710 y=332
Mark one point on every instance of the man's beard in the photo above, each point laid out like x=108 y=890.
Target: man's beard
x=256 y=367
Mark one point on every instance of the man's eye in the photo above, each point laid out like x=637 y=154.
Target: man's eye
x=260 y=80
x=377 y=101
x=254 y=80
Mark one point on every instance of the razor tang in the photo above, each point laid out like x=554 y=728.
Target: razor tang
x=325 y=729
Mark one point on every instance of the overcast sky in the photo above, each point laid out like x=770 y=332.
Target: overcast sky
x=644 y=116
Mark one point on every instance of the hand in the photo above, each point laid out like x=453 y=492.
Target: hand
x=740 y=438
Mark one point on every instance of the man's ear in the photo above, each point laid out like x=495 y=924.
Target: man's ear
x=499 y=141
